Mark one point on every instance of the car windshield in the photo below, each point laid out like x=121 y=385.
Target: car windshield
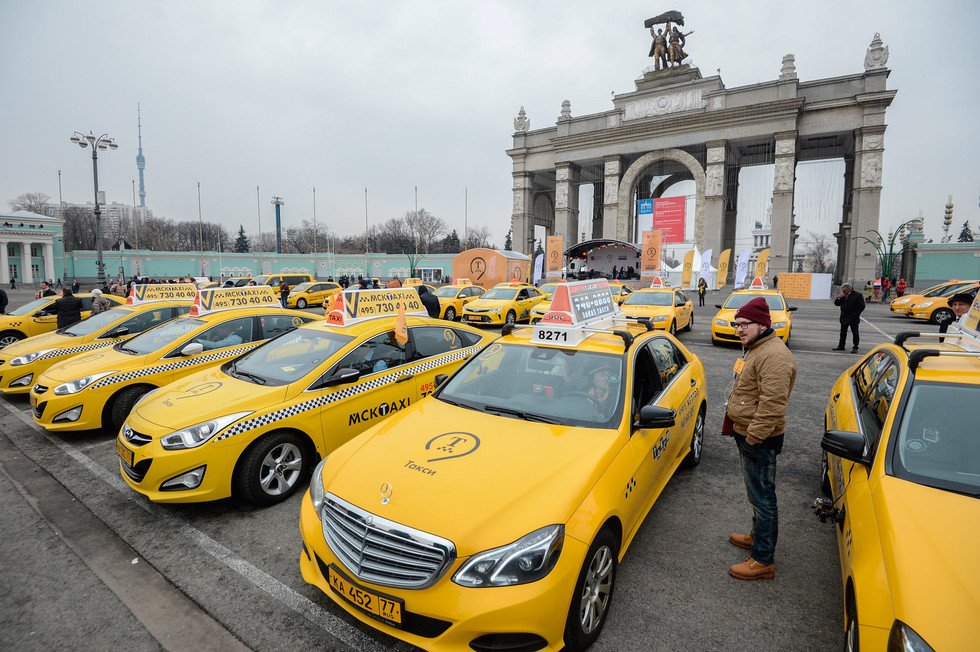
x=939 y=445
x=262 y=280
x=740 y=299
x=650 y=299
x=546 y=384
x=28 y=308
x=953 y=289
x=506 y=294
x=160 y=336
x=302 y=287
x=447 y=292
x=288 y=358
x=97 y=322
x=548 y=288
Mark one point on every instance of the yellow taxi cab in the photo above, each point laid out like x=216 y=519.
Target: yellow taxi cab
x=620 y=291
x=722 y=331
x=318 y=293
x=255 y=426
x=99 y=388
x=901 y=305
x=292 y=279
x=146 y=306
x=504 y=303
x=667 y=308
x=902 y=472
x=935 y=309
x=493 y=514
x=453 y=297
x=34 y=318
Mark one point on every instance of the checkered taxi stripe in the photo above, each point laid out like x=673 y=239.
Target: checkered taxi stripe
x=57 y=353
x=178 y=364
x=347 y=392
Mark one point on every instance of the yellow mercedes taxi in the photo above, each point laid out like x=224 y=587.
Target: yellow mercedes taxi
x=318 y=293
x=668 y=308
x=901 y=305
x=504 y=303
x=147 y=306
x=722 y=331
x=493 y=514
x=99 y=388
x=452 y=298
x=935 y=309
x=902 y=469
x=255 y=426
x=34 y=318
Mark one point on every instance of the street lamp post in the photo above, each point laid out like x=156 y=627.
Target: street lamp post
x=103 y=142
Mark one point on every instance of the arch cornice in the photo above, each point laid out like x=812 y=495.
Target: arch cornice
x=632 y=175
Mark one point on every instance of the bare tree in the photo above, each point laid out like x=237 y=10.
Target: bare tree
x=819 y=252
x=79 y=228
x=35 y=202
x=423 y=228
x=477 y=237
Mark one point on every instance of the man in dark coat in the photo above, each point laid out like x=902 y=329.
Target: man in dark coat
x=429 y=300
x=851 y=306
x=3 y=302
x=45 y=291
x=68 y=308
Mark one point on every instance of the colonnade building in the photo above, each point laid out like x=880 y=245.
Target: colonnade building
x=31 y=247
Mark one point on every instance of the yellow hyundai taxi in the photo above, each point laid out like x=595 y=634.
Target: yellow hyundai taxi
x=722 y=331
x=935 y=309
x=99 y=388
x=34 y=318
x=493 y=514
x=318 y=293
x=668 y=308
x=147 y=306
x=255 y=426
x=902 y=469
x=901 y=305
x=452 y=298
x=504 y=303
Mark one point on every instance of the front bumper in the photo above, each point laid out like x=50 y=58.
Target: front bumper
x=722 y=334
x=447 y=616
x=900 y=310
x=152 y=465
x=46 y=406
x=921 y=314
x=485 y=318
x=24 y=376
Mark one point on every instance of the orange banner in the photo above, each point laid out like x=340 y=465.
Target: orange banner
x=762 y=263
x=650 y=255
x=554 y=256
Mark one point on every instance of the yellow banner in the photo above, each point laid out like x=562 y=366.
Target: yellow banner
x=353 y=306
x=724 y=260
x=688 y=269
x=554 y=256
x=141 y=293
x=650 y=255
x=250 y=296
x=762 y=263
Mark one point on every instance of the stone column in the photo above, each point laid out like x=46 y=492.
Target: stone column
x=26 y=274
x=566 y=202
x=521 y=220
x=784 y=185
x=47 y=250
x=714 y=197
x=614 y=217
x=595 y=229
x=4 y=264
x=843 y=235
x=869 y=145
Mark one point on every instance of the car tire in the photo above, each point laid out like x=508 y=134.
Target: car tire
x=693 y=457
x=272 y=468
x=9 y=337
x=511 y=318
x=690 y=324
x=673 y=328
x=123 y=404
x=942 y=316
x=301 y=303
x=450 y=314
x=852 y=641
x=598 y=576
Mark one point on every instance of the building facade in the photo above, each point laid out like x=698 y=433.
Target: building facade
x=31 y=248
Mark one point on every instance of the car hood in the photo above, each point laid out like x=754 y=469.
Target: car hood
x=38 y=342
x=543 y=306
x=489 y=303
x=493 y=479
x=929 y=541
x=644 y=311
x=196 y=398
x=104 y=359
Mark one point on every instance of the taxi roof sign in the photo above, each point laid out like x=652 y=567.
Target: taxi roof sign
x=758 y=284
x=658 y=282
x=143 y=293
x=353 y=306
x=462 y=281
x=969 y=324
x=250 y=296
x=575 y=306
x=412 y=281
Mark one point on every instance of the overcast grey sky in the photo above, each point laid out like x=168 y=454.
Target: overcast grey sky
x=390 y=95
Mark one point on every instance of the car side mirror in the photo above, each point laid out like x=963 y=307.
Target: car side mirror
x=341 y=377
x=846 y=445
x=192 y=349
x=792 y=309
x=654 y=416
x=118 y=332
x=440 y=379
x=718 y=306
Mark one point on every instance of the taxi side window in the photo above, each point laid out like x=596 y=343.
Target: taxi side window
x=681 y=298
x=182 y=310
x=433 y=340
x=273 y=325
x=86 y=303
x=522 y=295
x=377 y=354
x=229 y=333
x=667 y=358
x=475 y=291
x=646 y=380
x=877 y=402
x=141 y=322
x=468 y=339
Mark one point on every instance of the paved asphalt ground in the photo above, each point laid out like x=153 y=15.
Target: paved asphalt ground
x=85 y=563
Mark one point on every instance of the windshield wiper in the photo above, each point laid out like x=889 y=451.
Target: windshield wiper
x=238 y=373
x=526 y=416
x=122 y=347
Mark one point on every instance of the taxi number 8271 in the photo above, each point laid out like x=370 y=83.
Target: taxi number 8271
x=385 y=608
x=554 y=336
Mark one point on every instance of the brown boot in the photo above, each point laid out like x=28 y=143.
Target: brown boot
x=750 y=569
x=740 y=540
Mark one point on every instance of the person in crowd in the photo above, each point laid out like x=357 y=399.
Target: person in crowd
x=755 y=417
x=75 y=286
x=429 y=300
x=251 y=283
x=886 y=286
x=3 y=302
x=877 y=292
x=13 y=282
x=960 y=304
x=900 y=287
x=775 y=282
x=223 y=336
x=99 y=302
x=45 y=290
x=68 y=309
x=394 y=283
x=851 y=306
x=615 y=272
x=869 y=291
x=284 y=292
x=702 y=290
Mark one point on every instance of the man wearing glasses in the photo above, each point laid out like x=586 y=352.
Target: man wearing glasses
x=756 y=417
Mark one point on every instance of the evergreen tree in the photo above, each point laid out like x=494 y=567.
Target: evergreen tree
x=242 y=245
x=508 y=242
x=451 y=244
x=966 y=234
x=539 y=249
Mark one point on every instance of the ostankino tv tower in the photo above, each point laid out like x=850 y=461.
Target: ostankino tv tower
x=140 y=161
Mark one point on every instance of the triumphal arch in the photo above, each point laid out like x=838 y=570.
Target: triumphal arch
x=681 y=125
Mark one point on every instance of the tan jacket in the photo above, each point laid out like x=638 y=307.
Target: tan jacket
x=757 y=404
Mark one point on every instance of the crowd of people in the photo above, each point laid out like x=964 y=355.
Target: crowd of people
x=878 y=291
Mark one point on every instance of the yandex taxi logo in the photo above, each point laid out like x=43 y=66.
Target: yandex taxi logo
x=352 y=306
x=658 y=282
x=255 y=296
x=161 y=292
x=758 y=284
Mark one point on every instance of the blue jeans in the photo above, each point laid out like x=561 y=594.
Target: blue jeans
x=759 y=473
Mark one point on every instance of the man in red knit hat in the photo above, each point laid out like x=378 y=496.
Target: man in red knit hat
x=756 y=417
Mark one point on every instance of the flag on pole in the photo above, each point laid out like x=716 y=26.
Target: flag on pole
x=401 y=325
x=741 y=268
x=723 y=262
x=762 y=264
x=688 y=268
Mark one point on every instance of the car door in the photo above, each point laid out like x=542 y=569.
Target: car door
x=677 y=384
x=685 y=308
x=42 y=321
x=435 y=344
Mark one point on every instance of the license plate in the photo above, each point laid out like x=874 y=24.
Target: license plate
x=124 y=453
x=380 y=606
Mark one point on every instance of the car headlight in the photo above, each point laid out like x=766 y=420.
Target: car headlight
x=316 y=486
x=526 y=560
x=925 y=305
x=904 y=639
x=902 y=302
x=77 y=385
x=778 y=324
x=196 y=435
x=495 y=310
x=29 y=358
x=658 y=318
x=720 y=322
